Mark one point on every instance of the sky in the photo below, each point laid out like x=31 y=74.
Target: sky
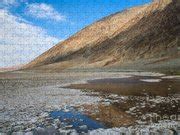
x=30 y=27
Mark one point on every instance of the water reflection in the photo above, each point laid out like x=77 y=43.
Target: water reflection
x=70 y=118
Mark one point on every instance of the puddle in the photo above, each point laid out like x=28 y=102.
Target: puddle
x=134 y=86
x=75 y=120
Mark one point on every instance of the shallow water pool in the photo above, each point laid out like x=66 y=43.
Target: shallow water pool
x=76 y=120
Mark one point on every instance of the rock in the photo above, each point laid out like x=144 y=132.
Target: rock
x=18 y=133
x=1 y=107
x=66 y=109
x=64 y=132
x=3 y=134
x=144 y=131
x=132 y=109
x=18 y=127
x=83 y=127
x=57 y=123
x=167 y=132
x=28 y=129
x=32 y=126
x=68 y=127
x=40 y=131
x=74 y=132
x=45 y=114
x=178 y=130
x=153 y=133
x=28 y=133
x=51 y=130
x=33 y=120
x=124 y=130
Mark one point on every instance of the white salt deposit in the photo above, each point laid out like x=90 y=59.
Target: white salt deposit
x=34 y=100
x=147 y=74
x=150 y=80
x=161 y=128
x=171 y=77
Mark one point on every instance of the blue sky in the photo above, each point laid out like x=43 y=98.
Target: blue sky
x=30 y=27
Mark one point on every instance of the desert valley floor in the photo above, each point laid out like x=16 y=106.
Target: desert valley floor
x=92 y=102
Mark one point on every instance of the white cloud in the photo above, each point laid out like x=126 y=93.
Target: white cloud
x=21 y=41
x=44 y=11
x=8 y=2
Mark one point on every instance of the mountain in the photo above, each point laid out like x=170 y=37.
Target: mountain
x=12 y=68
x=145 y=36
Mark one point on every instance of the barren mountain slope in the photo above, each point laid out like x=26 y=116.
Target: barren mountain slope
x=144 y=32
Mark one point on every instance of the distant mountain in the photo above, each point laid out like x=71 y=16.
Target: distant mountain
x=143 y=36
x=12 y=68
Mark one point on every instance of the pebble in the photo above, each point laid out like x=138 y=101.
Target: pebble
x=57 y=123
x=18 y=133
x=83 y=127
x=3 y=134
x=64 y=132
x=1 y=107
x=29 y=133
x=132 y=109
x=18 y=127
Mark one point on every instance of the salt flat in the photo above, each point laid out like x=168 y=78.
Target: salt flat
x=26 y=99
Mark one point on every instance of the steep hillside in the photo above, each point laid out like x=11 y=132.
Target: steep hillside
x=150 y=32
